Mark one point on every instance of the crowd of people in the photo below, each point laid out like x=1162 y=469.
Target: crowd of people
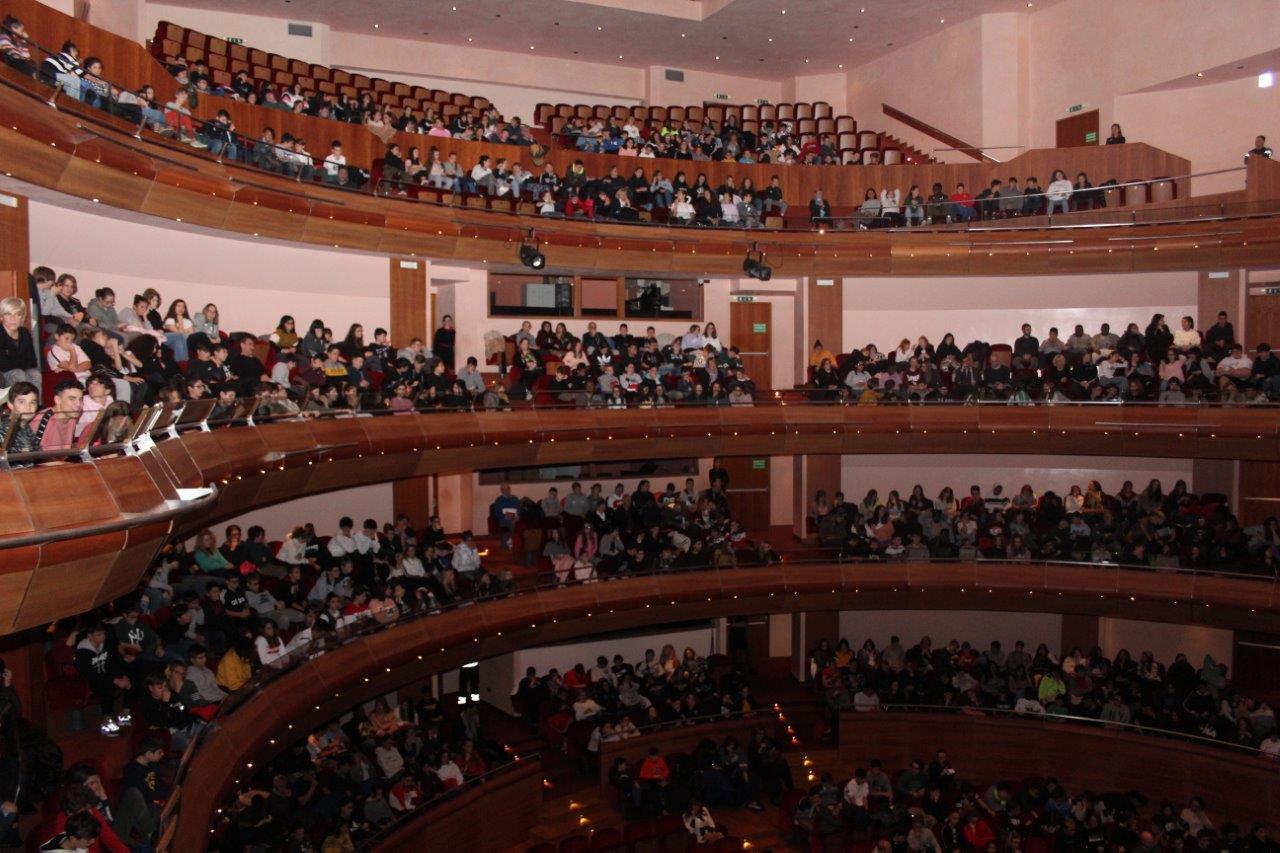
x=598 y=371
x=1151 y=527
x=936 y=807
x=616 y=195
x=1157 y=364
x=1119 y=691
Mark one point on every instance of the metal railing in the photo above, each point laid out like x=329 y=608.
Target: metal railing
x=150 y=425
x=1049 y=718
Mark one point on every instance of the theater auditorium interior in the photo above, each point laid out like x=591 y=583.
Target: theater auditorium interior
x=621 y=426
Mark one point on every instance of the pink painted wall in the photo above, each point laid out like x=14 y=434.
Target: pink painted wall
x=1127 y=47
x=1212 y=126
x=122 y=17
x=699 y=86
x=994 y=308
x=266 y=33
x=811 y=88
x=953 y=54
x=1165 y=640
x=960 y=471
x=252 y=282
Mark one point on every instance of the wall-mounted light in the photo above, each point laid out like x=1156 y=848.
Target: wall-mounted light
x=1266 y=80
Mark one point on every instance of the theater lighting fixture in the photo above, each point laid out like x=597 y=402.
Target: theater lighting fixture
x=754 y=266
x=1266 y=80
x=529 y=254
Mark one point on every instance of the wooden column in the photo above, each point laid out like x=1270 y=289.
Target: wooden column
x=409 y=307
x=15 y=259
x=408 y=301
x=824 y=311
x=1220 y=290
x=23 y=655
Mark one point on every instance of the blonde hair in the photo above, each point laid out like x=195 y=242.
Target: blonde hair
x=13 y=305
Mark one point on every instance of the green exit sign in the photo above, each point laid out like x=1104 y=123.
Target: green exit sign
x=1075 y=108
x=1091 y=136
x=757 y=464
x=234 y=40
x=759 y=328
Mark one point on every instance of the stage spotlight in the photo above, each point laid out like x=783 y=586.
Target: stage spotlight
x=754 y=265
x=531 y=257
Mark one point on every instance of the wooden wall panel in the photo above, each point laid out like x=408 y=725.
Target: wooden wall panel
x=15 y=260
x=989 y=749
x=673 y=740
x=1259 y=491
x=491 y=817
x=408 y=283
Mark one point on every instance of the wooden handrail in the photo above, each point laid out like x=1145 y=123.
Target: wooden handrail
x=941 y=135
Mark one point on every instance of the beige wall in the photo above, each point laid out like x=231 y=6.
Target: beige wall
x=960 y=471
x=1165 y=640
x=253 y=282
x=266 y=33
x=322 y=510
x=977 y=626
x=699 y=86
x=954 y=55
x=1212 y=126
x=993 y=308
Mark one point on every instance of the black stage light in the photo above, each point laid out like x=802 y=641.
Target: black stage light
x=756 y=268
x=531 y=257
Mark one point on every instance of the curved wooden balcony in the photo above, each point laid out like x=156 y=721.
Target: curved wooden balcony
x=1087 y=756
x=260 y=721
x=90 y=155
x=77 y=535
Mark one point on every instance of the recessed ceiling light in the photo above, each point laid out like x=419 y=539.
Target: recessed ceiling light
x=619 y=56
x=530 y=47
x=717 y=58
x=862 y=10
x=375 y=26
x=1266 y=80
x=455 y=8
x=942 y=20
x=806 y=62
x=784 y=11
x=682 y=35
x=469 y=38
x=850 y=38
x=598 y=29
x=1199 y=73
x=770 y=39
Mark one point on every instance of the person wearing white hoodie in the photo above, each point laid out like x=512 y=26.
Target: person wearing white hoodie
x=891 y=206
x=1058 y=192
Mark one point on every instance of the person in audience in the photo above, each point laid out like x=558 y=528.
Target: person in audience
x=18 y=358
x=819 y=208
x=1116 y=137
x=1058 y=192
x=1259 y=149
x=15 y=46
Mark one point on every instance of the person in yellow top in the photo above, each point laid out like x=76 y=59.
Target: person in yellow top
x=234 y=670
x=819 y=353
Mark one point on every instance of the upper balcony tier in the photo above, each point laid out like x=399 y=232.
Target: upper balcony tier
x=78 y=535
x=86 y=152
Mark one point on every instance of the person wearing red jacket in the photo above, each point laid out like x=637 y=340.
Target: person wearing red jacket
x=978 y=833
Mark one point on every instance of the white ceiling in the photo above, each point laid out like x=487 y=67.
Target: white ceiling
x=770 y=39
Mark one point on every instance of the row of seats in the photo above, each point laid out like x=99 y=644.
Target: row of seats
x=225 y=60
x=809 y=121
x=715 y=112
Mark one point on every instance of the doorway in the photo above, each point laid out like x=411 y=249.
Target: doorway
x=751 y=330
x=1262 y=313
x=1077 y=130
